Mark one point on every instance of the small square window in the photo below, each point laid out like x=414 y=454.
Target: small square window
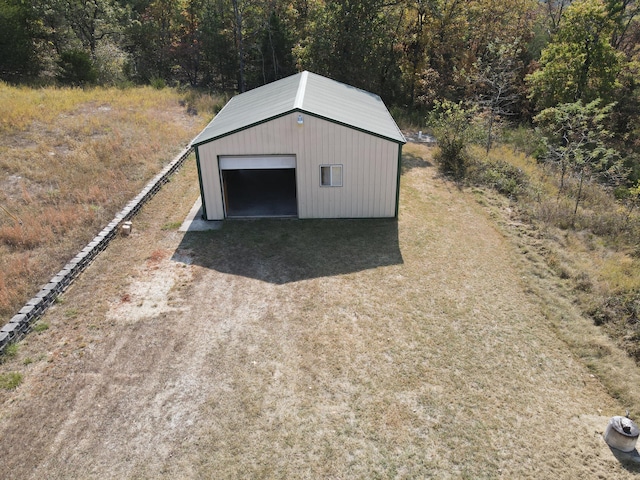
x=331 y=175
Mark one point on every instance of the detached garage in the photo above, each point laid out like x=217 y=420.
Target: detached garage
x=304 y=146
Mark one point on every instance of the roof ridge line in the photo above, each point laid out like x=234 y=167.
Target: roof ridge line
x=302 y=86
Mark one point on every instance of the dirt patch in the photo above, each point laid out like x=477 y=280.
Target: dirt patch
x=150 y=294
x=306 y=349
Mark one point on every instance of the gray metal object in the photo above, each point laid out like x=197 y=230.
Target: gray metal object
x=622 y=434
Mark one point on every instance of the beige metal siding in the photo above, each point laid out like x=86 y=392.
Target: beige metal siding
x=211 y=183
x=369 y=166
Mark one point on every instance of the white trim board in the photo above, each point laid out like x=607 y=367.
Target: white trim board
x=255 y=162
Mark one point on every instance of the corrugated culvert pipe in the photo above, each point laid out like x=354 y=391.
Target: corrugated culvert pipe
x=622 y=434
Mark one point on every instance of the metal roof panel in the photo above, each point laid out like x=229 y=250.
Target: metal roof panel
x=307 y=92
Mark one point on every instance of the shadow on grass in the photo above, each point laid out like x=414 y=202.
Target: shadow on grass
x=283 y=251
x=410 y=161
x=629 y=460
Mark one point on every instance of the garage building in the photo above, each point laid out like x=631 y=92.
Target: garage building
x=305 y=146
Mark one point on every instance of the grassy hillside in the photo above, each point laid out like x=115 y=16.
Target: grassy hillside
x=593 y=254
x=69 y=160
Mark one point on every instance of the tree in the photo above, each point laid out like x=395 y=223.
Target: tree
x=554 y=11
x=187 y=45
x=452 y=127
x=76 y=68
x=496 y=81
x=239 y=38
x=575 y=137
x=580 y=63
x=631 y=198
x=352 y=41
x=94 y=20
x=624 y=14
x=151 y=38
x=218 y=46
x=435 y=47
x=18 y=56
x=276 y=50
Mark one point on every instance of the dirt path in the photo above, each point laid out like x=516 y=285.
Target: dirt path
x=306 y=350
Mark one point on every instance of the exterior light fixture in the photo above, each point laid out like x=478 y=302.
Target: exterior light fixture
x=300 y=119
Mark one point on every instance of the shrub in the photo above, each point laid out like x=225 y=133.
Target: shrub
x=76 y=68
x=501 y=176
x=625 y=307
x=41 y=327
x=110 y=64
x=555 y=212
x=198 y=102
x=452 y=127
x=11 y=350
x=158 y=83
x=526 y=140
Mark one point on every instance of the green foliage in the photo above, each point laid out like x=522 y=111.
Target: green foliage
x=352 y=41
x=453 y=129
x=218 y=48
x=580 y=63
x=408 y=118
x=111 y=64
x=158 y=83
x=93 y=22
x=630 y=197
x=11 y=380
x=525 y=140
x=17 y=33
x=501 y=176
x=575 y=138
x=41 y=327
x=76 y=68
x=276 y=50
x=11 y=350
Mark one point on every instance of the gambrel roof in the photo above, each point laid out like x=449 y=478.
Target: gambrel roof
x=307 y=93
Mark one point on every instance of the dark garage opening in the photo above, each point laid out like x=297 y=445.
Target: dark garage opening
x=260 y=193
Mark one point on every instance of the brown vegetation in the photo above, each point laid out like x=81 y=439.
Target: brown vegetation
x=596 y=251
x=69 y=160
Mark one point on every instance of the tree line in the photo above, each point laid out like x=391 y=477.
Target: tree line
x=512 y=58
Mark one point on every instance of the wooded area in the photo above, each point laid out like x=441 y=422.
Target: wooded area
x=510 y=59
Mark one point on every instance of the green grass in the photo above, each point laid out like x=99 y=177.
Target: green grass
x=11 y=380
x=171 y=225
x=11 y=350
x=40 y=327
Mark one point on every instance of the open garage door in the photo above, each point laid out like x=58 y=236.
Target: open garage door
x=259 y=186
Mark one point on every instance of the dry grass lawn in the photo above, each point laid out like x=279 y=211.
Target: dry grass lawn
x=426 y=348
x=69 y=160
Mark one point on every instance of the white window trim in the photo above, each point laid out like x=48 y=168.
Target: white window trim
x=331 y=168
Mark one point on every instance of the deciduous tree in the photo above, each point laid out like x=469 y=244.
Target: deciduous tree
x=580 y=63
x=576 y=140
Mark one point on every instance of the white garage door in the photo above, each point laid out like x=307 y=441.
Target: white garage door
x=263 y=162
